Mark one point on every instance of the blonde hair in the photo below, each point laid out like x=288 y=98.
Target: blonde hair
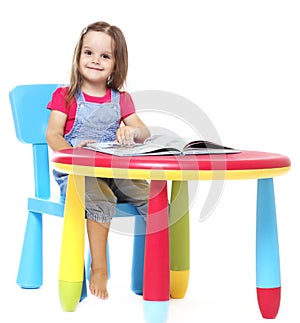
x=118 y=78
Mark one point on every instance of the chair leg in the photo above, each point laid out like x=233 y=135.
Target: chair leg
x=267 y=251
x=30 y=273
x=137 y=271
x=84 y=288
x=179 y=239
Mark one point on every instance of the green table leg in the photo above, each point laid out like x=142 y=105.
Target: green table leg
x=179 y=239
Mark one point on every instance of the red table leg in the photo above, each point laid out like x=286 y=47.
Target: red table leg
x=156 y=292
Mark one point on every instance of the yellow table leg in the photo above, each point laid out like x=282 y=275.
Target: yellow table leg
x=179 y=280
x=72 y=249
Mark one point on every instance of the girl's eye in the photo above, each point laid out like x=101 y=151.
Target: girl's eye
x=106 y=56
x=88 y=52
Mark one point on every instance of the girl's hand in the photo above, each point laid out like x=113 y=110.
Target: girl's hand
x=126 y=134
x=84 y=143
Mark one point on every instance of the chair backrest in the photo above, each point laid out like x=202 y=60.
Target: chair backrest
x=28 y=103
x=30 y=115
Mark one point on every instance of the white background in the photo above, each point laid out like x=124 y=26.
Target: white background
x=239 y=62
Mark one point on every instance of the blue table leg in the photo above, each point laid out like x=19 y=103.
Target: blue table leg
x=267 y=251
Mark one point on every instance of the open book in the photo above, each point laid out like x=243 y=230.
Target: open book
x=161 y=145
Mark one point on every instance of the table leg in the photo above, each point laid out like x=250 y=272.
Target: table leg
x=267 y=251
x=71 y=272
x=179 y=239
x=156 y=293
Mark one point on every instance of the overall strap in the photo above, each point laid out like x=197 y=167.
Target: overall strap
x=115 y=96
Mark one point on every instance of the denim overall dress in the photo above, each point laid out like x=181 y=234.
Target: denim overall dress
x=100 y=122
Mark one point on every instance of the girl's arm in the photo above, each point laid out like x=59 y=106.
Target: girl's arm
x=134 y=130
x=55 y=131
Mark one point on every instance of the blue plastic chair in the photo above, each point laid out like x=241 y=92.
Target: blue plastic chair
x=30 y=115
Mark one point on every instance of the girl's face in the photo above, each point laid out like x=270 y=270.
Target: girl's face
x=97 y=61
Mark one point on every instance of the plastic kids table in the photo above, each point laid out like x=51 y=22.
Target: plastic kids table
x=166 y=265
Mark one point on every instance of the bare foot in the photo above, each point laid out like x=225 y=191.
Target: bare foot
x=98 y=282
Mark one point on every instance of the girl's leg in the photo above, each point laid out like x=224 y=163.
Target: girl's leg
x=100 y=208
x=97 y=234
x=135 y=192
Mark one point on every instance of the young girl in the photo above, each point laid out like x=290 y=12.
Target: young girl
x=92 y=108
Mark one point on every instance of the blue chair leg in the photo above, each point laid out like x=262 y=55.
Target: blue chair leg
x=137 y=272
x=84 y=289
x=30 y=273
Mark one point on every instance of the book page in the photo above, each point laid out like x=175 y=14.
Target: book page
x=207 y=147
x=161 y=145
x=147 y=148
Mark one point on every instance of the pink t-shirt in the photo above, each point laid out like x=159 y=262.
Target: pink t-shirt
x=58 y=103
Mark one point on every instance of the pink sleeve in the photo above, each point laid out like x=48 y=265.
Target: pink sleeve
x=126 y=105
x=58 y=101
